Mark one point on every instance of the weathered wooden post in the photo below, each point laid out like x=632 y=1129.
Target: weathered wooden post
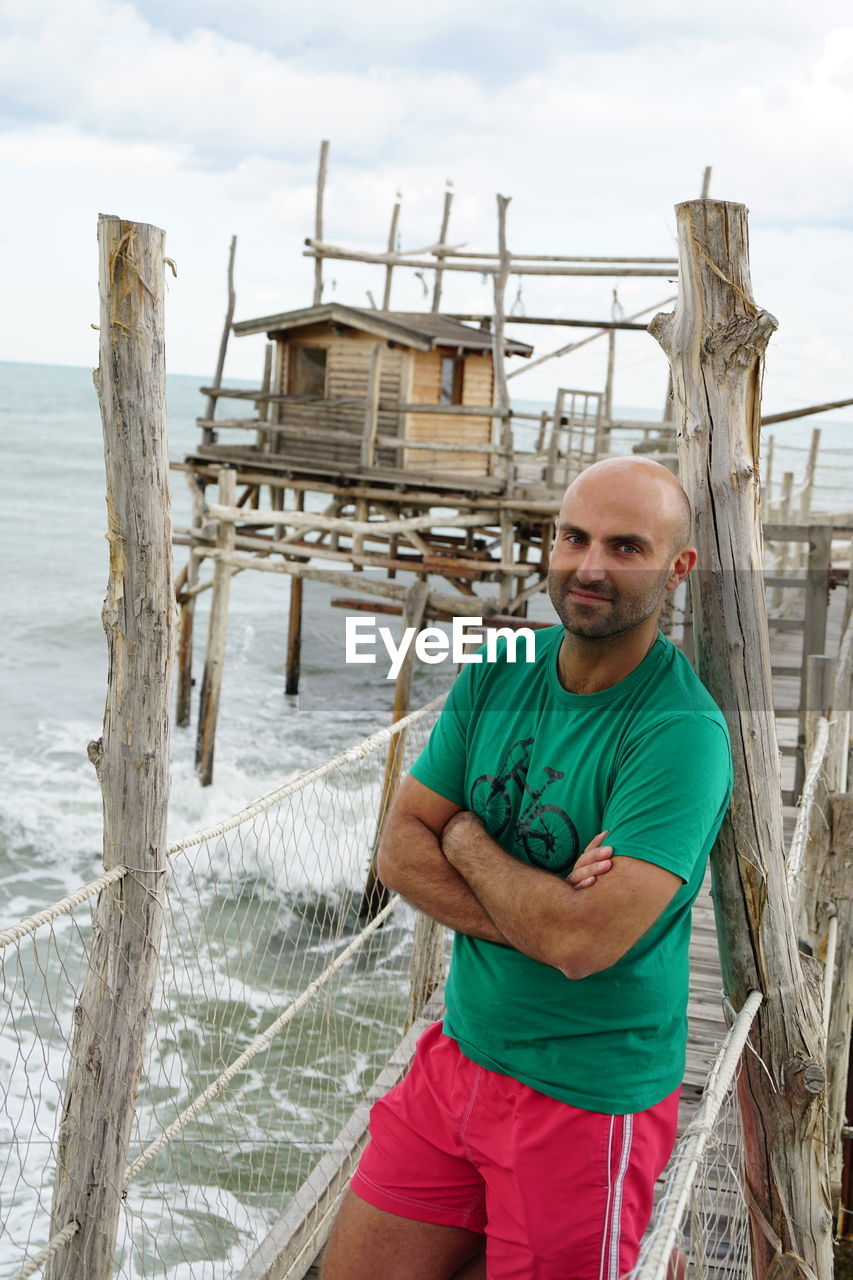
x=131 y=758
x=715 y=340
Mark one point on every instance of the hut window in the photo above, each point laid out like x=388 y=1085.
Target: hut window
x=307 y=371
x=452 y=373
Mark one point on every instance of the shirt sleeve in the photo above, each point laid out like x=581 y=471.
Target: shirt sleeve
x=441 y=765
x=670 y=793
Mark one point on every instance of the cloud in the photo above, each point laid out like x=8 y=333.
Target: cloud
x=596 y=118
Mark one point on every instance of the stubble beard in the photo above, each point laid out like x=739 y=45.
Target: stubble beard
x=619 y=615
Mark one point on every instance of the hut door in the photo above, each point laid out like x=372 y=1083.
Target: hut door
x=307 y=372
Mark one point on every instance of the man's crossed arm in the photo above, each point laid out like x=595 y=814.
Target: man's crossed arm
x=442 y=860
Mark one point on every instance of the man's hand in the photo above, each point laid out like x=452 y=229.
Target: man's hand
x=596 y=859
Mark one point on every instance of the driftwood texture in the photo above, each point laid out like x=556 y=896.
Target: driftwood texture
x=715 y=340
x=132 y=757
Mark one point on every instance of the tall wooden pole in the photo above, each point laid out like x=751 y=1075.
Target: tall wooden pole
x=439 y=253
x=318 y=220
x=131 y=758
x=207 y=436
x=715 y=341
x=392 y=245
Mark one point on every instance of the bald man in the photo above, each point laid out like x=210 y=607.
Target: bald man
x=525 y=1141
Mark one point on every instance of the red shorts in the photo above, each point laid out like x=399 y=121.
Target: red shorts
x=560 y=1193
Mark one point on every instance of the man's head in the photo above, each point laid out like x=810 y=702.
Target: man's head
x=622 y=541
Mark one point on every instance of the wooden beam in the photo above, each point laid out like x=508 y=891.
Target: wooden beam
x=770 y=418
x=715 y=341
x=438 y=600
x=560 y=322
x=318 y=249
x=603 y=329
x=112 y=1012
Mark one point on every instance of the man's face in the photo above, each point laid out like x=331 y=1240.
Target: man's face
x=612 y=555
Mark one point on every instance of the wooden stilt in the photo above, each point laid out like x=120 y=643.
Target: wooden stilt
x=294 y=622
x=375 y=894
x=131 y=758
x=187 y=599
x=716 y=340
x=211 y=686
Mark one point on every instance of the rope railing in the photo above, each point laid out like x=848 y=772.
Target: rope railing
x=261 y=927
x=29 y=924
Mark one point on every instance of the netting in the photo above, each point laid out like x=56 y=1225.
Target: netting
x=701 y=1219
x=277 y=1007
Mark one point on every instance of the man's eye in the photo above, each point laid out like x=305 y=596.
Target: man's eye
x=629 y=548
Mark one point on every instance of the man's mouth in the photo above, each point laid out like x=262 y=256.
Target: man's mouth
x=588 y=597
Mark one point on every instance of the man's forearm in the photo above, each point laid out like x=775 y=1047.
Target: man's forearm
x=411 y=862
x=528 y=905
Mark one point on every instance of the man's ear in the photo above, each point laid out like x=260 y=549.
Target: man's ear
x=681 y=566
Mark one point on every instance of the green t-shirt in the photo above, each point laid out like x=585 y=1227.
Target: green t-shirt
x=649 y=761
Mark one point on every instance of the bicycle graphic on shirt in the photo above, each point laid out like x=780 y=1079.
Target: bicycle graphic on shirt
x=545 y=831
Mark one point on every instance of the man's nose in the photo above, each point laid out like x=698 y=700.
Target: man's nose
x=591 y=567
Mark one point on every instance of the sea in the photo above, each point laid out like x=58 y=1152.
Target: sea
x=53 y=661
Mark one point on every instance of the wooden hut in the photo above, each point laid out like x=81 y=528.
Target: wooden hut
x=322 y=366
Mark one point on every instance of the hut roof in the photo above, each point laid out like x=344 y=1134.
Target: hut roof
x=422 y=330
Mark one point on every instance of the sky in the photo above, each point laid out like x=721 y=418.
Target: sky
x=595 y=116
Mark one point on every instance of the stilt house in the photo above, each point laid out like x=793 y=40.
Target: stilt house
x=322 y=366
